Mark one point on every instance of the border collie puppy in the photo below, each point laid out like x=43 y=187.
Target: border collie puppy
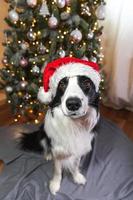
x=72 y=115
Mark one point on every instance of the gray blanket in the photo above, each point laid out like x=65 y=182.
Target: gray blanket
x=108 y=169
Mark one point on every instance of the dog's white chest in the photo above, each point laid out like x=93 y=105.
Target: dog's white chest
x=66 y=136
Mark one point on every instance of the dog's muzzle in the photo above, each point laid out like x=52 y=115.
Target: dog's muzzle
x=73 y=104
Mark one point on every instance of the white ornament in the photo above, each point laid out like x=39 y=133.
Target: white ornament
x=62 y=53
x=13 y=15
x=100 y=12
x=61 y=3
x=52 y=22
x=76 y=35
x=32 y=3
x=9 y=89
x=94 y=59
x=90 y=35
x=44 y=11
x=36 y=69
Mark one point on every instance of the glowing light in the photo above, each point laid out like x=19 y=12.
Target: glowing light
x=36 y=121
x=15 y=119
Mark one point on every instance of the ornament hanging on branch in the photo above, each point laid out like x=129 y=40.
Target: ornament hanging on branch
x=44 y=11
x=90 y=35
x=52 y=22
x=41 y=49
x=13 y=16
x=76 y=36
x=31 y=35
x=85 y=9
x=31 y=3
x=61 y=53
x=23 y=62
x=35 y=70
x=68 y=2
x=24 y=45
x=61 y=3
x=9 y=89
x=100 y=12
x=5 y=61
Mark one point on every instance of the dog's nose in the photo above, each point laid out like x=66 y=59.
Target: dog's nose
x=73 y=103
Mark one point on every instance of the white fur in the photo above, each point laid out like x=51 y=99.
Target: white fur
x=73 y=90
x=71 y=137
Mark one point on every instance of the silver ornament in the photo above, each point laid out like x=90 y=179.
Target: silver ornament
x=52 y=22
x=90 y=35
x=13 y=15
x=24 y=45
x=31 y=3
x=41 y=49
x=61 y=3
x=31 y=35
x=64 y=15
x=100 y=12
x=94 y=59
x=61 y=53
x=76 y=36
x=44 y=11
x=36 y=70
x=9 y=89
x=23 y=84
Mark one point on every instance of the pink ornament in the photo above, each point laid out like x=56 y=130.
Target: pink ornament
x=23 y=62
x=68 y=2
x=52 y=22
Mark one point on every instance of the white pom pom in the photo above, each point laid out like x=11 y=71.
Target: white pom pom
x=44 y=97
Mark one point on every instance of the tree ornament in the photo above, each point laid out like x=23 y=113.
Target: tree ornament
x=27 y=96
x=100 y=12
x=61 y=53
x=61 y=3
x=44 y=11
x=23 y=85
x=23 y=62
x=31 y=3
x=52 y=22
x=64 y=15
x=94 y=59
x=90 y=35
x=5 y=61
x=85 y=9
x=68 y=2
x=24 y=45
x=76 y=36
x=41 y=49
x=13 y=16
x=9 y=89
x=36 y=70
x=31 y=35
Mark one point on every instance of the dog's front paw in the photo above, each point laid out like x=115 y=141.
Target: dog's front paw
x=54 y=186
x=79 y=178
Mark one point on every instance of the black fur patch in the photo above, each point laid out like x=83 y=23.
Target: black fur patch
x=59 y=93
x=89 y=90
x=32 y=141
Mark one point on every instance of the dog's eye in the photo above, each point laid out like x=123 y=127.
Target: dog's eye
x=86 y=83
x=62 y=85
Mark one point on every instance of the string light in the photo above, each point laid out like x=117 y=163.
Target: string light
x=15 y=120
x=36 y=121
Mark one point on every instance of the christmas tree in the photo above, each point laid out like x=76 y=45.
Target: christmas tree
x=41 y=31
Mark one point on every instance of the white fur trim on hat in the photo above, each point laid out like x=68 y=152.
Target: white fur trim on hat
x=74 y=69
x=44 y=97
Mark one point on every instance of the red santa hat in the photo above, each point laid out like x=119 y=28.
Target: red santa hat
x=66 y=67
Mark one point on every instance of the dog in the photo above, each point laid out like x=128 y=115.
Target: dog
x=68 y=130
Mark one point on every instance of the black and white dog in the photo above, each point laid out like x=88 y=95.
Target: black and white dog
x=67 y=132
